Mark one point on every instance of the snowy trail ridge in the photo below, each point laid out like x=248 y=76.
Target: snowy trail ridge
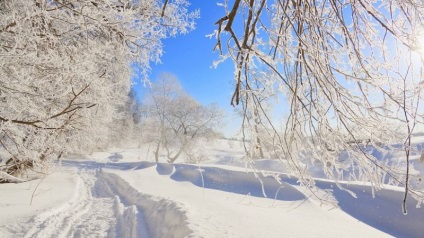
x=105 y=205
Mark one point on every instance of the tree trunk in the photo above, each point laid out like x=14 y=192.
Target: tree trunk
x=171 y=159
x=156 y=152
x=175 y=157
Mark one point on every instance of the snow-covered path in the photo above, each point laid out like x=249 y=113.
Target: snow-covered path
x=102 y=205
x=85 y=214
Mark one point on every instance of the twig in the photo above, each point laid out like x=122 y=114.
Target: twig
x=33 y=193
x=163 y=9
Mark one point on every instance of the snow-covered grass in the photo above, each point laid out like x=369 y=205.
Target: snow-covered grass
x=123 y=193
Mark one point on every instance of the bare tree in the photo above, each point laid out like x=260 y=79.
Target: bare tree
x=348 y=71
x=175 y=120
x=65 y=69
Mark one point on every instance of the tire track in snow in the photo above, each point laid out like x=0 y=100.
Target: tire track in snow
x=157 y=217
x=97 y=221
x=79 y=217
x=57 y=222
x=105 y=205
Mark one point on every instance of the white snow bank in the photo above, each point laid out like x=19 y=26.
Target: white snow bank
x=52 y=193
x=233 y=208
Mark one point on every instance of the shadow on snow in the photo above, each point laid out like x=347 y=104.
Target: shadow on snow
x=383 y=212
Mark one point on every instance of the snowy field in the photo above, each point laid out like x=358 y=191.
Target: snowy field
x=122 y=193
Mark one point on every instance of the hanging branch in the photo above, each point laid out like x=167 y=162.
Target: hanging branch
x=330 y=65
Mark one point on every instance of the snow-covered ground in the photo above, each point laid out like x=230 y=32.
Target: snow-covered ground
x=122 y=193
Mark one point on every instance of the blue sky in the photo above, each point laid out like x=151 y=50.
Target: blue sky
x=189 y=57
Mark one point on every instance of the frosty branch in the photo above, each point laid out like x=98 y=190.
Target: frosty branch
x=347 y=71
x=65 y=71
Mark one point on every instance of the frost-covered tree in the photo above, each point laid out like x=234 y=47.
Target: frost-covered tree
x=65 y=69
x=126 y=125
x=174 y=121
x=349 y=73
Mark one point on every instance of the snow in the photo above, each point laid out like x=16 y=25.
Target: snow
x=53 y=195
x=216 y=213
x=122 y=193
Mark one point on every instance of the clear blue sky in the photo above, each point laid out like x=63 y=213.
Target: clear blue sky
x=189 y=57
